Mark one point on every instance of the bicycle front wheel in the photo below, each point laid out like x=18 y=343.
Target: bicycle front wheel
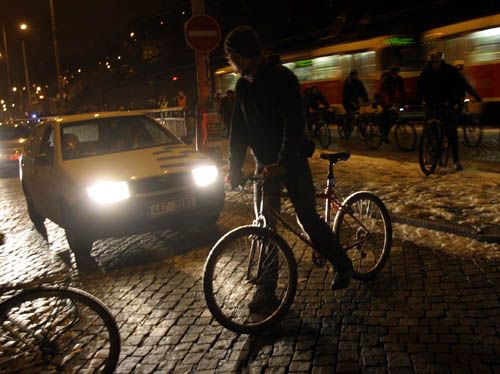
x=249 y=266
x=323 y=132
x=52 y=329
x=473 y=131
x=406 y=136
x=363 y=227
x=429 y=148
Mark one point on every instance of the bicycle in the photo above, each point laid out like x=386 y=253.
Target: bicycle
x=362 y=226
x=56 y=328
x=472 y=129
x=433 y=147
x=405 y=133
x=320 y=129
x=358 y=122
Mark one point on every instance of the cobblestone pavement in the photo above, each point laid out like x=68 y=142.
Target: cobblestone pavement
x=432 y=309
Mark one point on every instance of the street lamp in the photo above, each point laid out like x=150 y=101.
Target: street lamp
x=24 y=27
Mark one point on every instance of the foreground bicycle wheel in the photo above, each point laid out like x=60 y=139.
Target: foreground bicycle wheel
x=363 y=227
x=49 y=329
x=406 y=136
x=473 y=131
x=429 y=148
x=323 y=133
x=231 y=278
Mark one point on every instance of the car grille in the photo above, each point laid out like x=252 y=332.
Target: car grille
x=162 y=183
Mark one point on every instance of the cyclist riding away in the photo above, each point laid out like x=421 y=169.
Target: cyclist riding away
x=440 y=85
x=268 y=118
x=313 y=101
x=390 y=94
x=353 y=93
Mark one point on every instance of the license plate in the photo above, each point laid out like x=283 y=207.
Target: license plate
x=166 y=207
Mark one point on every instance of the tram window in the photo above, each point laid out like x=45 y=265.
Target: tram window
x=408 y=59
x=485 y=45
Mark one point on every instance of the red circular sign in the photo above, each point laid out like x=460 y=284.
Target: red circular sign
x=202 y=33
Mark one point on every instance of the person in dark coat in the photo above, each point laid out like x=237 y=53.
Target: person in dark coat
x=313 y=101
x=391 y=95
x=353 y=93
x=268 y=117
x=440 y=87
x=226 y=109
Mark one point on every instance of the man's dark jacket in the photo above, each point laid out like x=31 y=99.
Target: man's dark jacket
x=267 y=117
x=352 y=91
x=440 y=86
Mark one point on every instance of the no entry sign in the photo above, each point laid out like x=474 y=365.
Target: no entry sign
x=202 y=33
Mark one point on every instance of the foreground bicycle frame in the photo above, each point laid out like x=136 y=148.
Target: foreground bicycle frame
x=262 y=258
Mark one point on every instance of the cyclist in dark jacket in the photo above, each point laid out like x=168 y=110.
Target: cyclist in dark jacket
x=313 y=101
x=439 y=87
x=353 y=93
x=268 y=117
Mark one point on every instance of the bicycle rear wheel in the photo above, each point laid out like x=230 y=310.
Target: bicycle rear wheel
x=473 y=131
x=363 y=227
x=428 y=149
x=406 y=136
x=323 y=133
x=232 y=279
x=49 y=329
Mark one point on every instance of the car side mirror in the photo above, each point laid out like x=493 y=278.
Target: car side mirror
x=42 y=160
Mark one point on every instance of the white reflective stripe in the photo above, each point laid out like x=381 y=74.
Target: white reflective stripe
x=203 y=33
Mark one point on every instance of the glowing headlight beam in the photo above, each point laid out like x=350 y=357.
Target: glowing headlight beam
x=205 y=175
x=108 y=192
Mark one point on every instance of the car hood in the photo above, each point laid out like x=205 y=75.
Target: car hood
x=134 y=165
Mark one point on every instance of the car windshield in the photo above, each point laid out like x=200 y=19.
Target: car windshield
x=13 y=133
x=110 y=135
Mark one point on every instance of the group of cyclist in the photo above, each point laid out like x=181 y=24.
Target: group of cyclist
x=440 y=84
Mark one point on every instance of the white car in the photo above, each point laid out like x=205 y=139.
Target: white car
x=115 y=173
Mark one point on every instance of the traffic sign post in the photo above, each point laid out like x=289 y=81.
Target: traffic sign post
x=203 y=34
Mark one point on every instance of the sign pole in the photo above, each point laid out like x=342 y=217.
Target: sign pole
x=202 y=60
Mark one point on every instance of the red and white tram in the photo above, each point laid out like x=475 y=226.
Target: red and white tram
x=476 y=42
x=327 y=67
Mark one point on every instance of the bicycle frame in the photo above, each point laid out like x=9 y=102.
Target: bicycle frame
x=332 y=203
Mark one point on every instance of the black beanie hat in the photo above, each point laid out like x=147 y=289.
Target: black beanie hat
x=244 y=41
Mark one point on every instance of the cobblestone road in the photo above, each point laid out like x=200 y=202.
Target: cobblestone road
x=432 y=309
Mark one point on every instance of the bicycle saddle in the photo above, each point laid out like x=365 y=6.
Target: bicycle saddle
x=334 y=157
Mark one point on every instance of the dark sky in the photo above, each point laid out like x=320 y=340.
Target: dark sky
x=84 y=27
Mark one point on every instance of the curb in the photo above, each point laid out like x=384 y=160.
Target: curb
x=448 y=227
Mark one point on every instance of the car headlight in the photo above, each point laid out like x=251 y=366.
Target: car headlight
x=205 y=175
x=108 y=192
